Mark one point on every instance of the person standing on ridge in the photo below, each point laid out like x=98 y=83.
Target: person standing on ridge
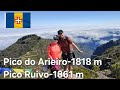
x=67 y=49
x=54 y=53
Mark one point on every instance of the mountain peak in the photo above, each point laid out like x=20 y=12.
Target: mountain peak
x=25 y=39
x=29 y=36
x=23 y=45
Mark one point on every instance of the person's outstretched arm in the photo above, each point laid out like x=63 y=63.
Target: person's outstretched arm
x=77 y=47
x=71 y=42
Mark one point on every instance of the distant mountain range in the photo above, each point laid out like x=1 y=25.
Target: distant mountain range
x=94 y=43
x=101 y=49
x=90 y=38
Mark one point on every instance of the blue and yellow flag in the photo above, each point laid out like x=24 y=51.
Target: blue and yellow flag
x=18 y=20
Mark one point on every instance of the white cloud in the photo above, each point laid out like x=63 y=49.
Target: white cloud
x=9 y=36
x=114 y=39
x=103 y=42
x=81 y=40
x=116 y=35
x=6 y=42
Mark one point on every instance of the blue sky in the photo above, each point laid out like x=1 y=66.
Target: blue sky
x=71 y=18
x=76 y=18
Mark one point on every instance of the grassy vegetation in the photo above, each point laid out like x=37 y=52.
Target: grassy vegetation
x=115 y=71
x=114 y=54
x=95 y=68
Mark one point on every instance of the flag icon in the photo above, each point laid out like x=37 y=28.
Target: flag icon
x=18 y=20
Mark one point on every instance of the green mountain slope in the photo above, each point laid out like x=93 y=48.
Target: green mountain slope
x=35 y=47
x=19 y=48
x=113 y=54
x=101 y=49
x=29 y=46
